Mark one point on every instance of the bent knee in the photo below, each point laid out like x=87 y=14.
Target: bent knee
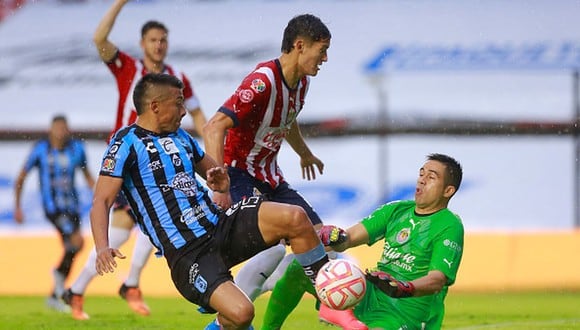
x=242 y=316
x=297 y=219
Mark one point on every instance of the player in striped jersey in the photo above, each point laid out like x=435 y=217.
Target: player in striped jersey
x=57 y=157
x=154 y=162
x=127 y=70
x=246 y=134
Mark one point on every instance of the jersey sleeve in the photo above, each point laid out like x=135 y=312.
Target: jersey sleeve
x=191 y=100
x=33 y=157
x=118 y=157
x=122 y=65
x=82 y=163
x=376 y=223
x=249 y=100
x=198 y=152
x=447 y=251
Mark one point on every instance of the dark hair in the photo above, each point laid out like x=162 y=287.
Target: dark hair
x=59 y=118
x=453 y=170
x=152 y=25
x=305 y=25
x=149 y=81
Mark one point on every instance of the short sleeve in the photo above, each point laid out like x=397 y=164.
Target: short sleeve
x=118 y=157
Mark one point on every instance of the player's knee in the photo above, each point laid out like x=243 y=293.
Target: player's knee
x=241 y=316
x=297 y=221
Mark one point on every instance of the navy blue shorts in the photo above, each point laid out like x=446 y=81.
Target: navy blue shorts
x=198 y=272
x=65 y=223
x=242 y=184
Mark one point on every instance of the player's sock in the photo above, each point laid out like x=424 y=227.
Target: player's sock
x=141 y=254
x=117 y=236
x=277 y=273
x=255 y=271
x=286 y=295
x=312 y=261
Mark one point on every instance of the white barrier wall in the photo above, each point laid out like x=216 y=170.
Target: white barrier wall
x=48 y=65
x=509 y=183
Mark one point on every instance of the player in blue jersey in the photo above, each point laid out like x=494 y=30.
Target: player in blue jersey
x=155 y=163
x=57 y=157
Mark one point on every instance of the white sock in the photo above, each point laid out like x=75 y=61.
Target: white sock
x=255 y=271
x=277 y=273
x=117 y=236
x=141 y=253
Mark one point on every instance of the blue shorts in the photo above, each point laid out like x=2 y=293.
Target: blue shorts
x=242 y=185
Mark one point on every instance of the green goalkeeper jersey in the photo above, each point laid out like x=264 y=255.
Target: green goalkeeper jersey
x=414 y=245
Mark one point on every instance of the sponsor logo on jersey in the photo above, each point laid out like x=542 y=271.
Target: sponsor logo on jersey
x=447 y=262
x=108 y=165
x=168 y=145
x=246 y=95
x=403 y=235
x=190 y=216
x=394 y=256
x=258 y=85
x=150 y=147
x=184 y=183
x=452 y=245
x=155 y=165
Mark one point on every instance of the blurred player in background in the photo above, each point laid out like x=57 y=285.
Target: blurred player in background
x=246 y=134
x=155 y=163
x=127 y=71
x=57 y=157
x=423 y=246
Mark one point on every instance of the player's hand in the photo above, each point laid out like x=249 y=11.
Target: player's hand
x=105 y=262
x=18 y=215
x=332 y=235
x=218 y=179
x=308 y=163
x=390 y=285
x=222 y=200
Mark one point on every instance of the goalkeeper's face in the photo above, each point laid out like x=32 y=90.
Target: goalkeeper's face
x=432 y=193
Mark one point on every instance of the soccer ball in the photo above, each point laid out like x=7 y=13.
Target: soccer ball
x=340 y=284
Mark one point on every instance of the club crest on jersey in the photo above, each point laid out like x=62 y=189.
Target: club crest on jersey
x=246 y=95
x=258 y=85
x=403 y=235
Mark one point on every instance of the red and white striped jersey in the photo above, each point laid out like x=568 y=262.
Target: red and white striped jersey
x=127 y=71
x=263 y=109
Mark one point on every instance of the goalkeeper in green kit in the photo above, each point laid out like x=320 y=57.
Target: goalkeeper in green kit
x=423 y=246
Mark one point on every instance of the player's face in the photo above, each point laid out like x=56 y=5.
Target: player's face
x=312 y=56
x=59 y=131
x=171 y=110
x=154 y=44
x=431 y=193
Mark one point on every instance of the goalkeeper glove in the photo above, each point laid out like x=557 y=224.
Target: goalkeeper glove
x=332 y=235
x=389 y=285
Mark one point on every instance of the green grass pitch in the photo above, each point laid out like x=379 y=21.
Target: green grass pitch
x=465 y=311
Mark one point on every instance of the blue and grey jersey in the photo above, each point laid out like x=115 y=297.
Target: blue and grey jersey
x=56 y=172
x=171 y=206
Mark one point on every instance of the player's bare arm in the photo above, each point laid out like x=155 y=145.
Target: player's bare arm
x=217 y=179
x=429 y=284
x=106 y=190
x=199 y=120
x=307 y=159
x=105 y=48
x=214 y=133
x=18 y=214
